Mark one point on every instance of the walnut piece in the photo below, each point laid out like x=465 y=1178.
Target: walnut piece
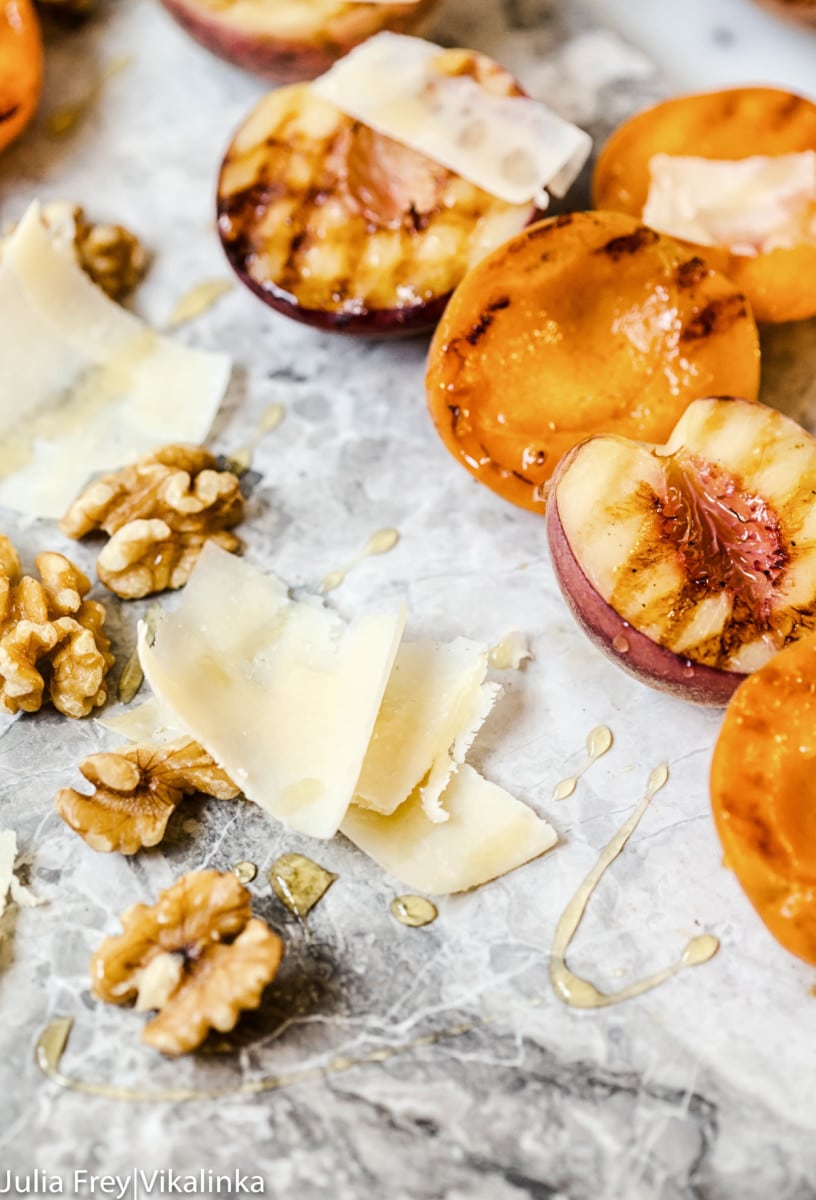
x=52 y=645
x=111 y=255
x=136 y=790
x=159 y=512
x=197 y=955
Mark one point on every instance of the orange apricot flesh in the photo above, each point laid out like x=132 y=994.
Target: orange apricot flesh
x=762 y=784
x=582 y=324
x=732 y=124
x=21 y=67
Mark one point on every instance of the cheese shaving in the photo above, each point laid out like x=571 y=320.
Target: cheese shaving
x=87 y=386
x=749 y=206
x=488 y=833
x=10 y=886
x=513 y=147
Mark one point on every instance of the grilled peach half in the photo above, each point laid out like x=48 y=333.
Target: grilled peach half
x=584 y=323
x=692 y=563
x=21 y=67
x=761 y=794
x=734 y=124
x=340 y=227
x=291 y=40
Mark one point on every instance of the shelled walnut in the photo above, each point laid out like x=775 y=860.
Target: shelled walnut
x=52 y=645
x=159 y=513
x=197 y=955
x=111 y=255
x=136 y=790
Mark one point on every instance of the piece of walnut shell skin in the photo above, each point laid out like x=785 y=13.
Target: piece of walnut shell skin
x=159 y=512
x=136 y=791
x=52 y=644
x=198 y=956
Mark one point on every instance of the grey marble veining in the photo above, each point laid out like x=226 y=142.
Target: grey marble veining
x=703 y=1088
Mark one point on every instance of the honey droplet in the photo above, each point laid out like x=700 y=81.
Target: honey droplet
x=700 y=949
x=565 y=788
x=382 y=541
x=509 y=653
x=599 y=741
x=197 y=300
x=51 y=1044
x=299 y=883
x=620 y=644
x=415 y=911
x=244 y=871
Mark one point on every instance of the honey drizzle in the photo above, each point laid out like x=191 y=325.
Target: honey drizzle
x=572 y=989
x=66 y=119
x=241 y=460
x=53 y=1040
x=197 y=300
x=598 y=742
x=379 y=543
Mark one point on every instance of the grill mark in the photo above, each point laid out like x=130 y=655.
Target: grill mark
x=691 y=272
x=717 y=317
x=629 y=243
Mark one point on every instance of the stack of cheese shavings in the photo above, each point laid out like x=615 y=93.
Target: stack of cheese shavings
x=87 y=386
x=332 y=725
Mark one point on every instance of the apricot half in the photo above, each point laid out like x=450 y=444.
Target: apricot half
x=340 y=227
x=291 y=40
x=762 y=794
x=691 y=564
x=584 y=323
x=738 y=123
x=21 y=67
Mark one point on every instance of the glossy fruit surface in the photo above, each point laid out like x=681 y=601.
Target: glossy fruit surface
x=584 y=323
x=762 y=785
x=732 y=124
x=21 y=67
x=290 y=40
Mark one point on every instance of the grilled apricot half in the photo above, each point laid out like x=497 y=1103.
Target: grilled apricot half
x=582 y=324
x=340 y=227
x=762 y=794
x=738 y=123
x=21 y=67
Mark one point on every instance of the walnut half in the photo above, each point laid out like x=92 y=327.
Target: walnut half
x=159 y=513
x=197 y=955
x=136 y=790
x=52 y=645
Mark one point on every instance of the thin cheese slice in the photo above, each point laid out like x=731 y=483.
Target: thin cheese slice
x=282 y=693
x=510 y=146
x=10 y=886
x=86 y=385
x=433 y=708
x=750 y=205
x=488 y=834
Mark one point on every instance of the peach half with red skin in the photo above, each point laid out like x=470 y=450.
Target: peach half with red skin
x=692 y=563
x=287 y=41
x=340 y=227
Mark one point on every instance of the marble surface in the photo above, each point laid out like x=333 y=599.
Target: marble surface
x=703 y=1088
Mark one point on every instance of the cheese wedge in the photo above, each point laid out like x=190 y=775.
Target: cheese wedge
x=750 y=206
x=434 y=705
x=86 y=385
x=510 y=146
x=488 y=833
x=283 y=694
